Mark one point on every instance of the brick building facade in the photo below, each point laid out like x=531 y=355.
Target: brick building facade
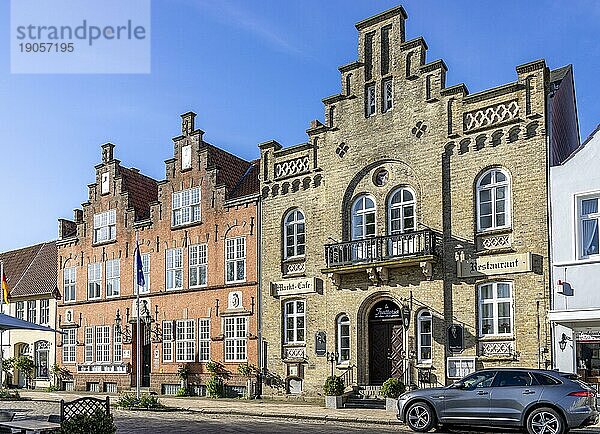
x=409 y=236
x=197 y=232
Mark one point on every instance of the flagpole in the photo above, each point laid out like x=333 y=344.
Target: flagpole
x=138 y=337
x=1 y=332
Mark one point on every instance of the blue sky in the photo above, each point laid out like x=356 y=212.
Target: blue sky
x=252 y=71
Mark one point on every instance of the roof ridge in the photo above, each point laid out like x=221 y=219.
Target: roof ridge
x=30 y=263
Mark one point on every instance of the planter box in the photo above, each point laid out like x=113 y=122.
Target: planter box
x=391 y=405
x=334 y=402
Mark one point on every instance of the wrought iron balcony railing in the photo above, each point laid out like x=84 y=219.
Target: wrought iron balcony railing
x=380 y=249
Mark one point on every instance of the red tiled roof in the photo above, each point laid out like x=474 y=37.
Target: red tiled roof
x=248 y=184
x=239 y=176
x=142 y=191
x=31 y=270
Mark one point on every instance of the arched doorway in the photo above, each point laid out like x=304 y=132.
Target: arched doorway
x=386 y=338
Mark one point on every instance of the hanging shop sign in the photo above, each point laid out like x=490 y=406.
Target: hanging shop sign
x=496 y=264
x=456 y=338
x=304 y=285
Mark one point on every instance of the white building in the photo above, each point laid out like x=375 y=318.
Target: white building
x=575 y=314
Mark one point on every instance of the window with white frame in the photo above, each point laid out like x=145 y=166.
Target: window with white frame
x=343 y=339
x=197 y=264
x=363 y=217
x=44 y=311
x=294 y=322
x=94 y=280
x=20 y=310
x=493 y=200
x=102 y=344
x=204 y=340
x=88 y=356
x=185 y=340
x=588 y=226
x=69 y=283
x=174 y=268
x=424 y=337
x=167 y=341
x=370 y=106
x=117 y=345
x=42 y=352
x=146 y=270
x=105 y=226
x=235 y=260
x=401 y=209
x=186 y=206
x=32 y=310
x=69 y=345
x=113 y=278
x=235 y=339
x=388 y=94
x=294 y=234
x=495 y=309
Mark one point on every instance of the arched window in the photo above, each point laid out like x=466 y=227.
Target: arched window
x=401 y=211
x=343 y=339
x=363 y=217
x=493 y=200
x=294 y=234
x=424 y=337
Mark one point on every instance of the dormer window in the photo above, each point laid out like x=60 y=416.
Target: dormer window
x=105 y=227
x=186 y=157
x=186 y=206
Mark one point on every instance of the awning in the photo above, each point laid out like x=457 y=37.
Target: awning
x=576 y=319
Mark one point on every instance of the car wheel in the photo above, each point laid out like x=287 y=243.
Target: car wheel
x=420 y=417
x=545 y=421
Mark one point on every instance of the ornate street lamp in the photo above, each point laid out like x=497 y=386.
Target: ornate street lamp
x=332 y=358
x=124 y=332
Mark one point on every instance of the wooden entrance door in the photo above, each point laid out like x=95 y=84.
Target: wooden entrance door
x=146 y=355
x=385 y=351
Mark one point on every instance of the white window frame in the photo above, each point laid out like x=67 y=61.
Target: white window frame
x=94 y=278
x=581 y=218
x=167 y=341
x=20 y=310
x=422 y=317
x=69 y=284
x=361 y=214
x=204 y=340
x=146 y=270
x=236 y=338
x=342 y=321
x=32 y=311
x=459 y=367
x=105 y=226
x=40 y=347
x=185 y=206
x=235 y=257
x=495 y=301
x=186 y=157
x=493 y=188
x=88 y=354
x=45 y=311
x=113 y=278
x=69 y=345
x=117 y=345
x=198 y=264
x=185 y=340
x=402 y=206
x=102 y=344
x=294 y=227
x=174 y=268
x=295 y=316
x=387 y=88
x=370 y=100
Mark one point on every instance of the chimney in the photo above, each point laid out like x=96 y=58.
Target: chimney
x=107 y=152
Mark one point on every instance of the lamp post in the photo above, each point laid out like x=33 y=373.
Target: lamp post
x=332 y=358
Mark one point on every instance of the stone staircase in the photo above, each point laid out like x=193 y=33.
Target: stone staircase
x=365 y=397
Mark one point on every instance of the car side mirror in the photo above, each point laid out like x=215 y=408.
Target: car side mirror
x=458 y=385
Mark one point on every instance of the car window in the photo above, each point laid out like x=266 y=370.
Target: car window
x=545 y=380
x=512 y=378
x=478 y=380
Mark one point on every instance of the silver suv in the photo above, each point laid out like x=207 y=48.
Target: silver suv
x=542 y=402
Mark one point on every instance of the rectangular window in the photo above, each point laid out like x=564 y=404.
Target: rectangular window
x=186 y=157
x=388 y=94
x=186 y=206
x=89 y=345
x=94 y=280
x=294 y=324
x=385 y=49
x=495 y=309
x=44 y=311
x=167 y=341
x=102 y=344
x=146 y=269
x=20 y=310
x=370 y=100
x=235 y=260
x=369 y=55
x=105 y=226
x=204 y=340
x=198 y=265
x=174 y=269
x=113 y=278
x=69 y=282
x=588 y=227
x=235 y=339
x=69 y=345
x=31 y=311
x=117 y=346
x=185 y=340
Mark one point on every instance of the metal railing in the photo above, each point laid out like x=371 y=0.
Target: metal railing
x=348 y=376
x=382 y=248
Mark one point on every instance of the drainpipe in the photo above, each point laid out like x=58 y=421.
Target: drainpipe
x=261 y=365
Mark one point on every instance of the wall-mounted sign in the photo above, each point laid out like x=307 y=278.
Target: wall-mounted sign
x=126 y=354
x=406 y=316
x=304 y=285
x=320 y=343
x=385 y=310
x=496 y=264
x=455 y=338
x=588 y=335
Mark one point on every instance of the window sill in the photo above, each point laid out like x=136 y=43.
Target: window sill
x=495 y=231
x=487 y=338
x=185 y=225
x=424 y=365
x=103 y=243
x=235 y=282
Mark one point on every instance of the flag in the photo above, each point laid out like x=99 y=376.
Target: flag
x=139 y=267
x=4 y=289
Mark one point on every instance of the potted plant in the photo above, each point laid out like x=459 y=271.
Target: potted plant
x=391 y=389
x=334 y=389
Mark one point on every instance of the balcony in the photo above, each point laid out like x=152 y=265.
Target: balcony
x=377 y=254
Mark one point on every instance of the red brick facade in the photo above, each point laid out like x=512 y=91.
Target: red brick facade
x=202 y=220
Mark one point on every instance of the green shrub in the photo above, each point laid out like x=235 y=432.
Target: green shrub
x=146 y=401
x=9 y=395
x=182 y=391
x=183 y=371
x=51 y=388
x=247 y=370
x=214 y=387
x=334 y=386
x=392 y=388
x=96 y=423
